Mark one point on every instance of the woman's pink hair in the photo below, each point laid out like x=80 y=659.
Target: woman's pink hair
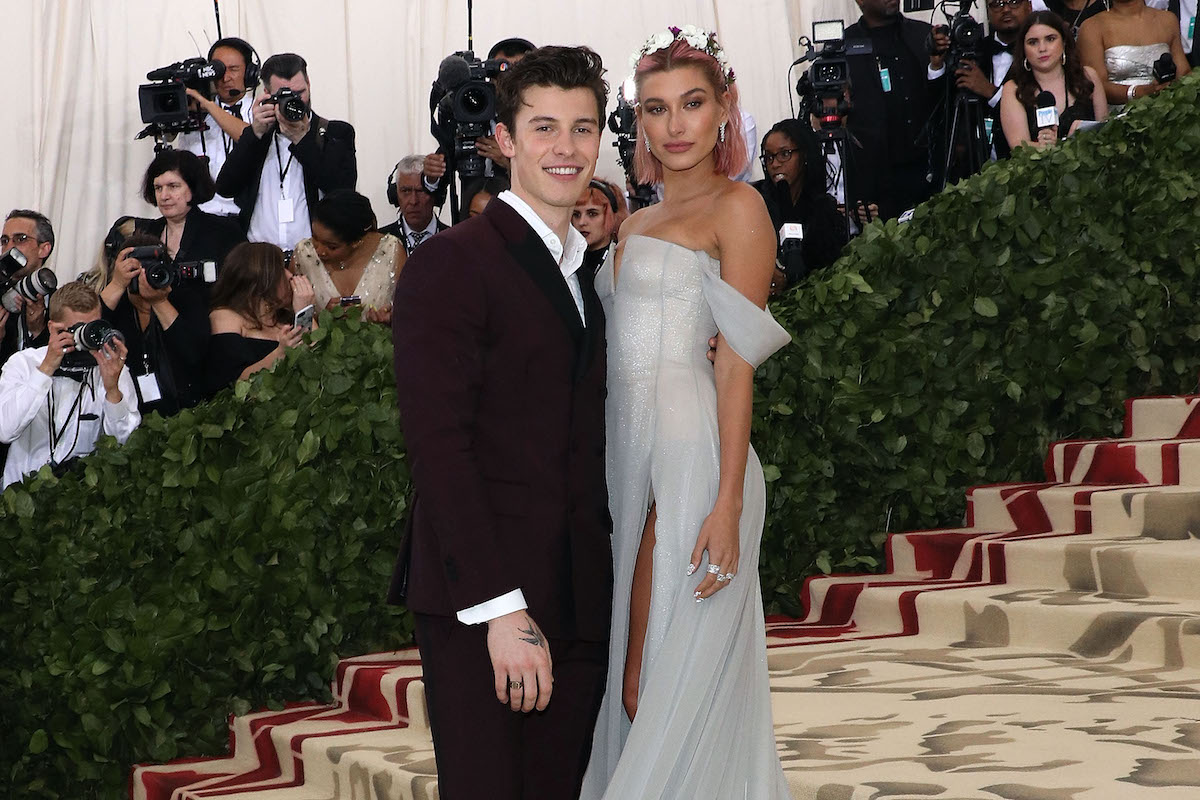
x=731 y=155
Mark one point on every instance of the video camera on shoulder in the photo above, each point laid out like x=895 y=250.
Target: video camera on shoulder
x=164 y=102
x=464 y=100
x=163 y=273
x=824 y=89
x=291 y=104
x=32 y=286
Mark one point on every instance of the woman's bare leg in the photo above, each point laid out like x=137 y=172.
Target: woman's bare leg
x=639 y=614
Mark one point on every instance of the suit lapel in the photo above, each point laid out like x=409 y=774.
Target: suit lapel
x=593 y=332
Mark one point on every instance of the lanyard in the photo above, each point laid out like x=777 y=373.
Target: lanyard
x=283 y=170
x=55 y=438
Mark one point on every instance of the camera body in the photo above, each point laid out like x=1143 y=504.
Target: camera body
x=41 y=283
x=88 y=337
x=472 y=108
x=291 y=104
x=824 y=88
x=162 y=272
x=164 y=103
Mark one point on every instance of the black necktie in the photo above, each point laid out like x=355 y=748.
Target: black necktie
x=417 y=237
x=235 y=109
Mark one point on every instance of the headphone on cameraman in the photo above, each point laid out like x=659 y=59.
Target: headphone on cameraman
x=393 y=196
x=249 y=54
x=605 y=190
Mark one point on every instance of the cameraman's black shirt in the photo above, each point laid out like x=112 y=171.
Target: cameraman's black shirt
x=906 y=107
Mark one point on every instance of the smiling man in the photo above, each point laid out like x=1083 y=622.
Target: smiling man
x=500 y=381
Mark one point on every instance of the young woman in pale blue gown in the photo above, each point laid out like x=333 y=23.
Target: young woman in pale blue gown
x=687 y=709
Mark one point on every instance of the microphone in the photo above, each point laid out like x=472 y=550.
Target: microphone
x=453 y=72
x=1164 y=69
x=1047 y=112
x=791 y=255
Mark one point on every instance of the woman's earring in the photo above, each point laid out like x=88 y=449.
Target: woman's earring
x=722 y=132
x=1027 y=65
x=1064 y=58
x=647 y=141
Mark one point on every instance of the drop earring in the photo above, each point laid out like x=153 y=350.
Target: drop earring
x=647 y=141
x=1064 y=59
x=722 y=132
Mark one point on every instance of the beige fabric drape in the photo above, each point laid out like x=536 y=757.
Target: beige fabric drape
x=73 y=68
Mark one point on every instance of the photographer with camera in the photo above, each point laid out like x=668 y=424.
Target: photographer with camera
x=288 y=158
x=1136 y=50
x=227 y=112
x=166 y=328
x=56 y=400
x=23 y=312
x=451 y=78
x=896 y=77
x=416 y=221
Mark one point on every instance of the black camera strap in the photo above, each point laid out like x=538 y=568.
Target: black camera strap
x=283 y=170
x=56 y=438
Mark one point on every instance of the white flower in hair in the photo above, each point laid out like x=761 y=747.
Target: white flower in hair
x=696 y=37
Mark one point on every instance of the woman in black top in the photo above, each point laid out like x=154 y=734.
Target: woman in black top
x=166 y=332
x=253 y=307
x=1048 y=61
x=794 y=191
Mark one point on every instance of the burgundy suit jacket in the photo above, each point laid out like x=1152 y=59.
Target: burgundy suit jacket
x=501 y=395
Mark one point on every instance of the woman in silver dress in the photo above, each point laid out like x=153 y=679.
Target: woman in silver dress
x=1122 y=45
x=687 y=709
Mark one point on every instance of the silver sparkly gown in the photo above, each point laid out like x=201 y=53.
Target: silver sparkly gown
x=1132 y=65
x=703 y=727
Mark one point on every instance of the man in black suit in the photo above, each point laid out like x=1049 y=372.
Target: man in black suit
x=896 y=83
x=500 y=371
x=985 y=77
x=405 y=190
x=292 y=158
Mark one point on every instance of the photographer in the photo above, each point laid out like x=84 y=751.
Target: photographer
x=166 y=331
x=895 y=89
x=984 y=76
x=55 y=401
x=434 y=171
x=228 y=113
x=288 y=158
x=416 y=221
x=32 y=234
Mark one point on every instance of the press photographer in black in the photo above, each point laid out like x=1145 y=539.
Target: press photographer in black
x=984 y=75
x=288 y=158
x=794 y=191
x=166 y=328
x=895 y=87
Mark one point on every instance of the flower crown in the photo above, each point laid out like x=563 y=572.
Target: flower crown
x=702 y=40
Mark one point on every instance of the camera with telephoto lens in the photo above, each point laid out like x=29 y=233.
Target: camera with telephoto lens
x=291 y=104
x=164 y=103
x=965 y=33
x=31 y=286
x=162 y=272
x=88 y=337
x=825 y=88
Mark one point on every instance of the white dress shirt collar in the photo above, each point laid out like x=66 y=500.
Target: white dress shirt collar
x=428 y=230
x=569 y=257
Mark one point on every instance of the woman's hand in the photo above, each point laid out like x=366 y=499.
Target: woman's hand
x=288 y=336
x=381 y=315
x=334 y=302
x=302 y=292
x=719 y=536
x=126 y=269
x=1047 y=136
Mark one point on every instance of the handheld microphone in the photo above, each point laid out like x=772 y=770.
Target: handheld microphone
x=1164 y=69
x=791 y=255
x=1047 y=112
x=453 y=72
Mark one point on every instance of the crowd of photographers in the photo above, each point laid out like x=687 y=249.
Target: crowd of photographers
x=259 y=225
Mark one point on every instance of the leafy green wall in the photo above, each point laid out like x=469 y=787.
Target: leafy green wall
x=225 y=559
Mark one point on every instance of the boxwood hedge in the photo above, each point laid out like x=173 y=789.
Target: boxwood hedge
x=225 y=559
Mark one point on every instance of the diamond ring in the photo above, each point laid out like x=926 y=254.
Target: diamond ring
x=713 y=569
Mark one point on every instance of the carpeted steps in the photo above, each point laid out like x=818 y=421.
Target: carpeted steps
x=1048 y=649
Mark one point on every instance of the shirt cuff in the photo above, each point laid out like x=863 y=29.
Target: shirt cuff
x=429 y=187
x=995 y=101
x=491 y=609
x=934 y=74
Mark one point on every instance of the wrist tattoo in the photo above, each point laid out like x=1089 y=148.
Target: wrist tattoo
x=532 y=635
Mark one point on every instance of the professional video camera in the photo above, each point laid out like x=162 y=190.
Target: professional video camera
x=291 y=104
x=164 y=103
x=162 y=273
x=43 y=282
x=824 y=89
x=623 y=122
x=463 y=101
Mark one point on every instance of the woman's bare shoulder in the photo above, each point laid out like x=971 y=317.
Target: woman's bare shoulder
x=225 y=320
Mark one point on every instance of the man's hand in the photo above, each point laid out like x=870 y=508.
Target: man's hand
x=111 y=360
x=62 y=341
x=202 y=102
x=264 y=116
x=488 y=148
x=3 y=322
x=866 y=214
x=521 y=662
x=295 y=131
x=940 y=45
x=434 y=167
x=969 y=76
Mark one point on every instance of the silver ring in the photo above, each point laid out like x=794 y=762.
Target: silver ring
x=713 y=569
x=722 y=578
x=727 y=576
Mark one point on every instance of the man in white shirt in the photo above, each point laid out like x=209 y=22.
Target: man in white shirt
x=416 y=221
x=56 y=402
x=500 y=369
x=287 y=159
x=229 y=113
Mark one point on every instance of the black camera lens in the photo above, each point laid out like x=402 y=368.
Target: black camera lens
x=160 y=275
x=94 y=335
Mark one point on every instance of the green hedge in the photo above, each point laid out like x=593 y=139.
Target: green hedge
x=1017 y=308
x=218 y=562
x=225 y=559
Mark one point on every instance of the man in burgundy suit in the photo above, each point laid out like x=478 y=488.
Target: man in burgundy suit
x=500 y=379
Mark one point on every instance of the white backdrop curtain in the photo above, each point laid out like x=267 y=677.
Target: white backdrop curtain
x=73 y=67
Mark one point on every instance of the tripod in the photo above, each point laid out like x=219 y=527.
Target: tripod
x=833 y=139
x=966 y=142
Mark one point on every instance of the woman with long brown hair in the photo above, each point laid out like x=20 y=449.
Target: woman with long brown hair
x=1048 y=62
x=254 y=303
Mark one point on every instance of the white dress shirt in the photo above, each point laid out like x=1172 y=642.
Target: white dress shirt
x=215 y=144
x=569 y=260
x=1001 y=63
x=81 y=414
x=266 y=224
x=428 y=230
x=1187 y=24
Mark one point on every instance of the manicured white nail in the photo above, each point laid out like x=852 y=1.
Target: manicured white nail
x=691 y=568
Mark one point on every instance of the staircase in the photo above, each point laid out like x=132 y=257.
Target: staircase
x=1047 y=650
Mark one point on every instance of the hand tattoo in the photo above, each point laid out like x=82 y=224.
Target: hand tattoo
x=533 y=634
